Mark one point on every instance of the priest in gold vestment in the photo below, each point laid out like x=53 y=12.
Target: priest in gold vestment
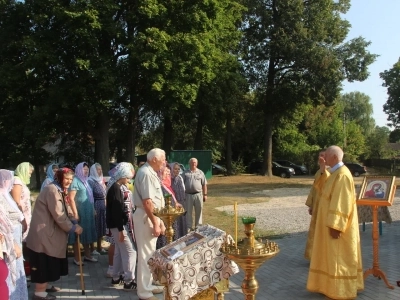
x=336 y=262
x=312 y=203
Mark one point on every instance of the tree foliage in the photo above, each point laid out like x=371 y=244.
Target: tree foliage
x=391 y=80
x=295 y=52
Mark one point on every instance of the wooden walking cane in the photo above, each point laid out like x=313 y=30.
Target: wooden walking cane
x=80 y=265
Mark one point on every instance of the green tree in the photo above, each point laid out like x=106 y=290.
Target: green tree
x=378 y=143
x=295 y=52
x=358 y=107
x=394 y=136
x=391 y=80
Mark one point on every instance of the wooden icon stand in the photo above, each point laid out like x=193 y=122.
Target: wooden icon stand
x=385 y=188
x=375 y=239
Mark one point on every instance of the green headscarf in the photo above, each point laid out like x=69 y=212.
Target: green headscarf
x=22 y=171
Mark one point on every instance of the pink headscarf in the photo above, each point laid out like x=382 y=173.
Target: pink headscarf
x=166 y=182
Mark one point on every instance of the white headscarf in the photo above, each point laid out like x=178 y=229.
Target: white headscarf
x=6 y=185
x=94 y=175
x=6 y=227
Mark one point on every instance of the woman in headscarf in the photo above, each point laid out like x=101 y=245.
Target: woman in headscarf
x=81 y=193
x=99 y=194
x=47 y=238
x=16 y=280
x=21 y=193
x=119 y=210
x=178 y=187
x=51 y=171
x=165 y=179
x=7 y=253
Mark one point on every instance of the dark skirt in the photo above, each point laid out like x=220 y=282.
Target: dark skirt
x=45 y=268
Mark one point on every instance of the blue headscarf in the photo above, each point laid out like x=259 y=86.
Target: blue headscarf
x=49 y=176
x=122 y=170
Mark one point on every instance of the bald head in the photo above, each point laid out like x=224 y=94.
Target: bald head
x=333 y=155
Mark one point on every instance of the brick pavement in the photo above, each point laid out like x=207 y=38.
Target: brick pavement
x=283 y=277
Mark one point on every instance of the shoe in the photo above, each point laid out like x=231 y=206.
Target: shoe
x=103 y=251
x=95 y=252
x=110 y=272
x=157 y=291
x=78 y=263
x=130 y=286
x=151 y=298
x=53 y=289
x=48 y=297
x=119 y=281
x=91 y=259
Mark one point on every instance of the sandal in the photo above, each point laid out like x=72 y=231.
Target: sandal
x=398 y=283
x=53 y=289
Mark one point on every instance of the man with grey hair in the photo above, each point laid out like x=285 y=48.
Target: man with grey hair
x=336 y=263
x=195 y=193
x=148 y=195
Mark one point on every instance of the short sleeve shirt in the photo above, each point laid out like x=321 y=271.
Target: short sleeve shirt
x=147 y=186
x=194 y=181
x=81 y=192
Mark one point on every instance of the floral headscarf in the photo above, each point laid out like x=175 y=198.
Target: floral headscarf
x=122 y=170
x=6 y=227
x=94 y=175
x=22 y=171
x=59 y=178
x=84 y=179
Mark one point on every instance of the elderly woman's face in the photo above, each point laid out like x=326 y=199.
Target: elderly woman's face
x=30 y=172
x=55 y=169
x=85 y=170
x=177 y=169
x=167 y=173
x=99 y=171
x=67 y=180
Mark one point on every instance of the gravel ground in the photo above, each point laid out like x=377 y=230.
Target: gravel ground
x=286 y=213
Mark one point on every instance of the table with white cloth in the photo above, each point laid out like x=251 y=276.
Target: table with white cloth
x=199 y=272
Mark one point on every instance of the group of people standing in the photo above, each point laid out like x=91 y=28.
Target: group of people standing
x=79 y=206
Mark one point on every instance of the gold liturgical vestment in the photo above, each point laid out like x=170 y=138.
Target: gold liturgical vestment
x=336 y=264
x=312 y=202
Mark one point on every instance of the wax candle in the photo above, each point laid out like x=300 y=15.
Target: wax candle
x=236 y=223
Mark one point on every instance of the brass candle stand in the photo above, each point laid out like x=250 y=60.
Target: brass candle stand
x=169 y=214
x=250 y=254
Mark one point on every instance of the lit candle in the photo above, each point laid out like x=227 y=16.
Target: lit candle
x=236 y=223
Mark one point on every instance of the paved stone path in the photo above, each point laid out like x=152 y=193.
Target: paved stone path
x=283 y=277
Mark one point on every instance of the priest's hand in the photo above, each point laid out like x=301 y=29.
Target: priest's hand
x=334 y=233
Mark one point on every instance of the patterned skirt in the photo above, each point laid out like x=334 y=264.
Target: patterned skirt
x=100 y=218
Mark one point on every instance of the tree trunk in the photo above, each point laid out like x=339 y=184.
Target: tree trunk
x=167 y=135
x=131 y=130
x=37 y=176
x=198 y=140
x=267 y=165
x=268 y=119
x=228 y=144
x=102 y=146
